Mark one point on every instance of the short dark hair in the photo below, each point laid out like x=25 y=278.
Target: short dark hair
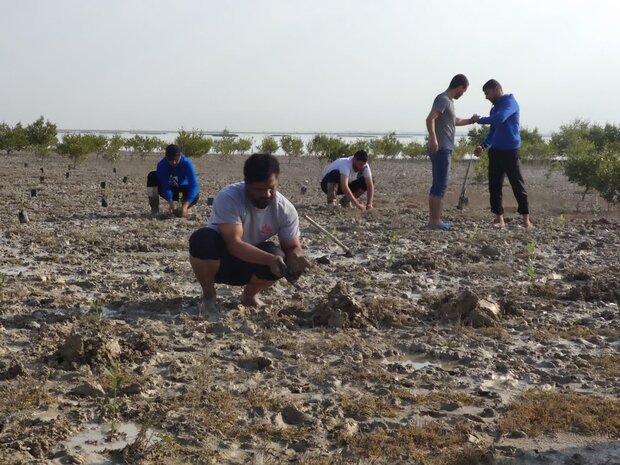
x=259 y=167
x=458 y=80
x=173 y=152
x=361 y=155
x=491 y=84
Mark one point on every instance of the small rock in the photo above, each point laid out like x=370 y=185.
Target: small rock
x=450 y=406
x=293 y=416
x=88 y=389
x=72 y=349
x=488 y=413
x=516 y=434
x=489 y=251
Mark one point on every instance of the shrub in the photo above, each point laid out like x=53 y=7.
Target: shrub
x=226 y=145
x=193 y=143
x=112 y=149
x=144 y=145
x=77 y=147
x=269 y=145
x=41 y=136
x=415 y=150
x=292 y=146
x=462 y=147
x=13 y=139
x=388 y=146
x=328 y=148
x=534 y=147
x=243 y=145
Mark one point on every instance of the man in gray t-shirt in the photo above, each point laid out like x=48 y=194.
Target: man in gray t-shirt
x=234 y=247
x=440 y=123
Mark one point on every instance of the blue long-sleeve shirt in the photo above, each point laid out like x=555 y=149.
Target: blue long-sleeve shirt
x=183 y=174
x=504 y=120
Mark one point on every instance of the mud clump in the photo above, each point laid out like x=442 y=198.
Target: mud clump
x=469 y=309
x=341 y=310
x=92 y=350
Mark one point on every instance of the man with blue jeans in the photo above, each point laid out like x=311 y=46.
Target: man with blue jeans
x=440 y=123
x=503 y=141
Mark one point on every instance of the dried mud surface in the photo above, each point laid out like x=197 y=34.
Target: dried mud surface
x=414 y=350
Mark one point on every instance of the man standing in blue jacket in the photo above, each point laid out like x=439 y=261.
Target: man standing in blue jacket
x=175 y=180
x=503 y=143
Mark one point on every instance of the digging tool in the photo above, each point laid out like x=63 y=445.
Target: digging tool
x=463 y=200
x=286 y=274
x=347 y=251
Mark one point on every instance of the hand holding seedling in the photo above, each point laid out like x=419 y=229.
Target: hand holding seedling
x=478 y=151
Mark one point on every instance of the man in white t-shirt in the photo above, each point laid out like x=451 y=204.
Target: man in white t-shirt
x=234 y=247
x=351 y=177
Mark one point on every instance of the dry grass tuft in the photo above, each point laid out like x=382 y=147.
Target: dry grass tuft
x=22 y=394
x=366 y=406
x=537 y=412
x=430 y=444
x=607 y=365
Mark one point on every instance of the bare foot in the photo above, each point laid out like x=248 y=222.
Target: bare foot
x=252 y=301
x=207 y=307
x=527 y=224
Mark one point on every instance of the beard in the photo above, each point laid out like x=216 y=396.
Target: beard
x=261 y=203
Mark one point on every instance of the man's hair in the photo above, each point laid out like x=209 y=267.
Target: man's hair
x=458 y=80
x=173 y=152
x=361 y=155
x=259 y=167
x=491 y=84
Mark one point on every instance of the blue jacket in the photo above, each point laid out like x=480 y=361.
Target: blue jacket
x=183 y=174
x=504 y=121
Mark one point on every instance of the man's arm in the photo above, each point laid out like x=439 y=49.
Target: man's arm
x=500 y=113
x=370 y=192
x=237 y=247
x=465 y=122
x=433 y=145
x=344 y=185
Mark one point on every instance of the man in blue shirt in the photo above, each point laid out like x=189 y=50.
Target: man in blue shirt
x=175 y=180
x=503 y=143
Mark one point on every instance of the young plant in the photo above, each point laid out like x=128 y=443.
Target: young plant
x=474 y=233
x=531 y=273
x=97 y=309
x=269 y=145
x=392 y=243
x=114 y=379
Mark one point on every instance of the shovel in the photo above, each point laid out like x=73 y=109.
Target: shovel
x=463 y=200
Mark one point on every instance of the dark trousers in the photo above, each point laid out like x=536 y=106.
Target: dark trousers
x=506 y=162
x=152 y=181
x=334 y=177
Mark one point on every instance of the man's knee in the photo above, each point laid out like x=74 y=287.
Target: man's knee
x=206 y=244
x=151 y=179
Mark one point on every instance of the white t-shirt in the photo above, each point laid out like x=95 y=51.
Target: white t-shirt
x=345 y=166
x=232 y=206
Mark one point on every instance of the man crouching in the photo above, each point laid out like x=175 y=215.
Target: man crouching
x=235 y=249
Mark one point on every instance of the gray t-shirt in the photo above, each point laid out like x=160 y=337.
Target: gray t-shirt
x=232 y=206
x=445 y=122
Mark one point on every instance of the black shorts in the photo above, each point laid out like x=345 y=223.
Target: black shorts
x=152 y=181
x=208 y=244
x=334 y=177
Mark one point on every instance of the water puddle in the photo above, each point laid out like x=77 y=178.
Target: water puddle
x=417 y=362
x=92 y=442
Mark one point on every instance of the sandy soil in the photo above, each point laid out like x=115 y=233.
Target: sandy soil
x=415 y=350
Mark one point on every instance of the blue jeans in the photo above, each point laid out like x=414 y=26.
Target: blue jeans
x=441 y=171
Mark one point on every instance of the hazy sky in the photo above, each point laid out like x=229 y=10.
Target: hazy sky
x=316 y=65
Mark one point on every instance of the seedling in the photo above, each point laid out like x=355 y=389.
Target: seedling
x=531 y=247
x=392 y=243
x=97 y=309
x=474 y=233
x=114 y=378
x=562 y=218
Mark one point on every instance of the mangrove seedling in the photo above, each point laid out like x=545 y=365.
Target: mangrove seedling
x=531 y=247
x=114 y=378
